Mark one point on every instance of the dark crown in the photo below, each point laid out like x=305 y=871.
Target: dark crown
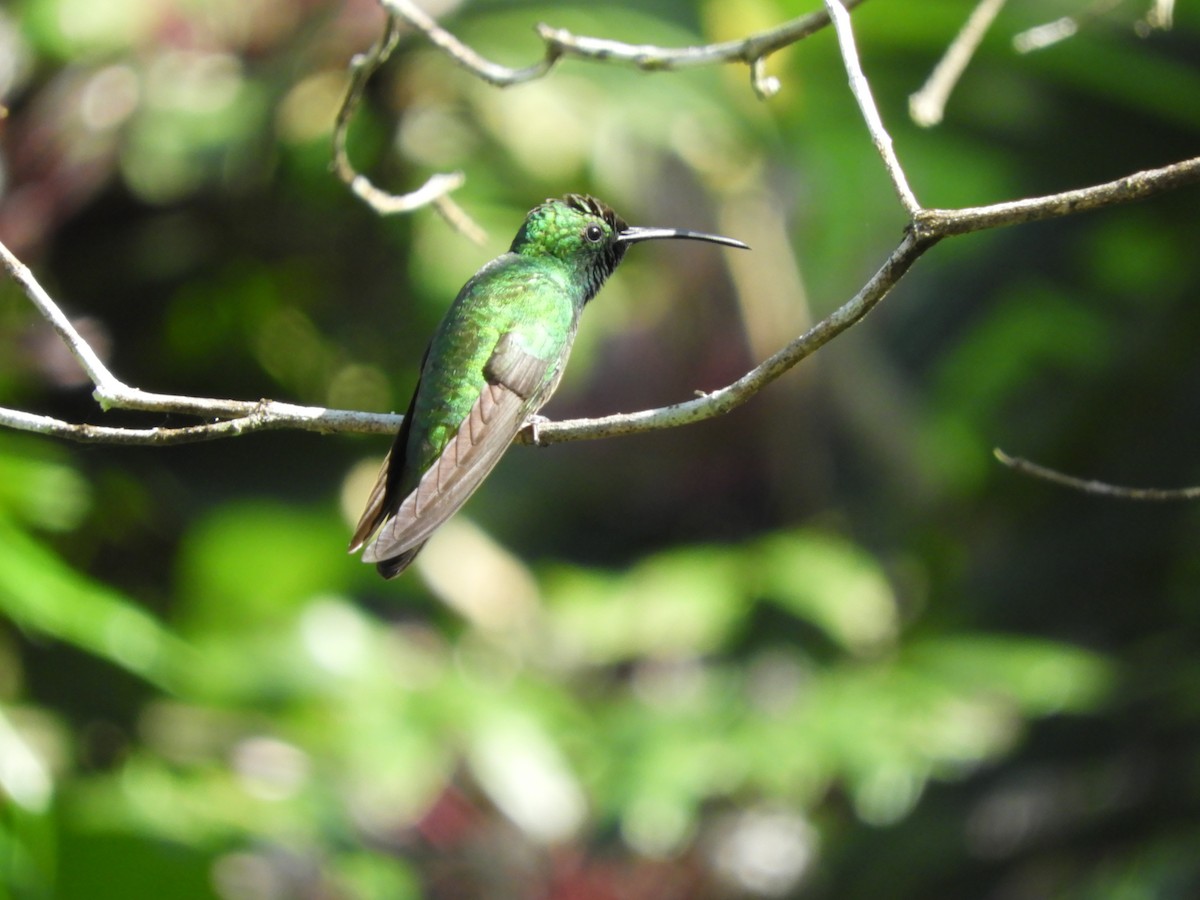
x=588 y=204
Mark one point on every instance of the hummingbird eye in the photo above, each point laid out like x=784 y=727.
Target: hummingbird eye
x=594 y=233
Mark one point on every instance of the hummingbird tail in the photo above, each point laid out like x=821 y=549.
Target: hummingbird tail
x=390 y=568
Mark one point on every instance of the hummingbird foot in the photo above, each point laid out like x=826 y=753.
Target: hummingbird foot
x=534 y=423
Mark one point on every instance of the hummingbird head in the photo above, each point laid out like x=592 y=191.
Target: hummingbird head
x=590 y=237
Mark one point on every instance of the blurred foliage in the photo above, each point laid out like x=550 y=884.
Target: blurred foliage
x=824 y=647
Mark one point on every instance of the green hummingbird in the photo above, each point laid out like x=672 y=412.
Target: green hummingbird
x=493 y=362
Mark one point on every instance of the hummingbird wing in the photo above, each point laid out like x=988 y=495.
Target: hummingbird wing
x=515 y=387
x=378 y=501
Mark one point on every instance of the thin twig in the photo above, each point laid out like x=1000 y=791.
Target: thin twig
x=436 y=189
x=80 y=349
x=267 y=415
x=928 y=105
x=1159 y=16
x=1091 y=486
x=1042 y=36
x=492 y=72
x=866 y=103
x=1137 y=186
x=1039 y=37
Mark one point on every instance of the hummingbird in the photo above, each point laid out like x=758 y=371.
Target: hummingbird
x=492 y=363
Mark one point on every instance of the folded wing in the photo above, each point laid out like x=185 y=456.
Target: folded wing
x=515 y=387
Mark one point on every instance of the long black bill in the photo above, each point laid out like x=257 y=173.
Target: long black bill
x=634 y=235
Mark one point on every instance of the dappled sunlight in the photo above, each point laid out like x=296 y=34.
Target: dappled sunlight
x=473 y=575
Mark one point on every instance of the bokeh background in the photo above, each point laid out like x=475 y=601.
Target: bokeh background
x=823 y=647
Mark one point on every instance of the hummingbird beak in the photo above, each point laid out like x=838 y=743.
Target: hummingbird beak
x=633 y=235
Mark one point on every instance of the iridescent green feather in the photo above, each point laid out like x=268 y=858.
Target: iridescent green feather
x=530 y=298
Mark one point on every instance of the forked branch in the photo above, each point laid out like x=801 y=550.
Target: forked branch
x=559 y=43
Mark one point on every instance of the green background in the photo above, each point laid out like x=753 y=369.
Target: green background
x=822 y=647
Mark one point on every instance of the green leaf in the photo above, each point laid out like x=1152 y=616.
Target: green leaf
x=831 y=583
x=253 y=563
x=686 y=602
x=38 y=591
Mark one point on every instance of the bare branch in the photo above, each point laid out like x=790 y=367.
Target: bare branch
x=1096 y=488
x=267 y=416
x=238 y=416
x=866 y=103
x=80 y=349
x=752 y=50
x=492 y=72
x=1137 y=186
x=437 y=188
x=928 y=105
